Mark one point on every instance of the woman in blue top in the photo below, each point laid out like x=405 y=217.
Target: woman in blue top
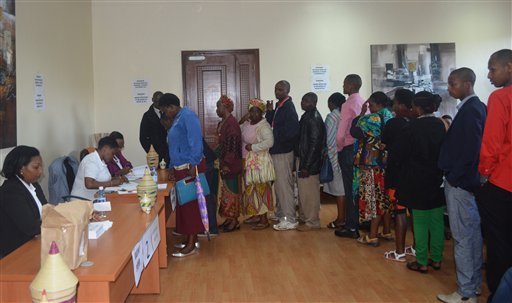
x=186 y=154
x=368 y=184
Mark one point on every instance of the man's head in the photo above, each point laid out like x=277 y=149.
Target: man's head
x=352 y=84
x=156 y=98
x=500 y=68
x=461 y=82
x=170 y=105
x=309 y=101
x=282 y=89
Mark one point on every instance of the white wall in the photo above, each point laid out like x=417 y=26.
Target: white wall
x=54 y=39
x=89 y=53
x=135 y=39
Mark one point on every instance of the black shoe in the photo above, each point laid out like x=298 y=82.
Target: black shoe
x=347 y=233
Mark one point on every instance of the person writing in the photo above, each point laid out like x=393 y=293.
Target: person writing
x=93 y=172
x=119 y=166
x=22 y=198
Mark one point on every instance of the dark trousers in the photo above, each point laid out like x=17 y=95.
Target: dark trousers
x=495 y=207
x=346 y=161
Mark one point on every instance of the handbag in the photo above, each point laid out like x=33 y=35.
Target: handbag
x=326 y=173
x=259 y=168
x=186 y=188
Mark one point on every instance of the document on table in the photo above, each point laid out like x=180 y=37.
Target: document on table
x=136 y=173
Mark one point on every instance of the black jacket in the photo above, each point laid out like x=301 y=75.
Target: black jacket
x=153 y=132
x=460 y=152
x=311 y=142
x=285 y=127
x=19 y=217
x=419 y=180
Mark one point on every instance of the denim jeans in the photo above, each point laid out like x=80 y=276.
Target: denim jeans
x=467 y=236
x=346 y=161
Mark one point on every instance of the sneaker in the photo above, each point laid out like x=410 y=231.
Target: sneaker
x=285 y=225
x=455 y=298
x=478 y=292
x=347 y=233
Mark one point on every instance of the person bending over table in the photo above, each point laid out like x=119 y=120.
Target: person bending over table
x=93 y=172
x=119 y=166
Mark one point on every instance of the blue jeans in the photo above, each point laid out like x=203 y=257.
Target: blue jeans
x=346 y=161
x=504 y=291
x=467 y=236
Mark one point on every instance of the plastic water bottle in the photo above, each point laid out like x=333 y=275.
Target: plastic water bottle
x=100 y=198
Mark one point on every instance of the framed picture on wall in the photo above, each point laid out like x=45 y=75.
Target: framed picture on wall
x=417 y=67
x=7 y=74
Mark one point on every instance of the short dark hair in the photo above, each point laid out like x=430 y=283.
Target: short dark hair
x=427 y=101
x=116 y=135
x=404 y=96
x=355 y=80
x=17 y=158
x=503 y=56
x=380 y=98
x=157 y=93
x=311 y=97
x=107 y=141
x=465 y=74
x=337 y=99
x=168 y=99
x=285 y=83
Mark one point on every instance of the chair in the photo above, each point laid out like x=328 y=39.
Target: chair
x=84 y=152
x=62 y=173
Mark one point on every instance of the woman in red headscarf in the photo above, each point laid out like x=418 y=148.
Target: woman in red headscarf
x=229 y=153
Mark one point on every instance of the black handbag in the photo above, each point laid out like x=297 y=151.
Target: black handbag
x=326 y=173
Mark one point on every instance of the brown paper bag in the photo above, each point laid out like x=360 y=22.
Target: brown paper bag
x=66 y=224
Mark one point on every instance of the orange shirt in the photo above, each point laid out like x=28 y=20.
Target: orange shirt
x=496 y=151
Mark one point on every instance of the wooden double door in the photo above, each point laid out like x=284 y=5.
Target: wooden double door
x=209 y=74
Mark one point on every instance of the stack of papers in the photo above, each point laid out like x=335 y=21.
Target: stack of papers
x=136 y=173
x=96 y=229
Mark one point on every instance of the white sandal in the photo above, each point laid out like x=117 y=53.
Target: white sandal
x=394 y=256
x=410 y=251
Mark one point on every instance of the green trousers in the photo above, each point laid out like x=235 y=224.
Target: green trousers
x=429 y=222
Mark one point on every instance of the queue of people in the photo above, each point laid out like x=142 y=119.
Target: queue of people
x=389 y=157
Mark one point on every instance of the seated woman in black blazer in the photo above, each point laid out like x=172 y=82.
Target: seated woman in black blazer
x=21 y=198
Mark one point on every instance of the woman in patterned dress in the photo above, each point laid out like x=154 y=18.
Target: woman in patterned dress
x=229 y=153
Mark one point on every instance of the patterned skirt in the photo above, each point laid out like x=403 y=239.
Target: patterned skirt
x=371 y=195
x=229 y=197
x=258 y=199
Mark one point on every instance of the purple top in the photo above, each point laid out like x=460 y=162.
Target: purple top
x=119 y=162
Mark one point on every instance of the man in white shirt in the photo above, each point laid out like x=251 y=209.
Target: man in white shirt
x=93 y=172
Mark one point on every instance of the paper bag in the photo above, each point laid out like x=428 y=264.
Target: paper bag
x=66 y=224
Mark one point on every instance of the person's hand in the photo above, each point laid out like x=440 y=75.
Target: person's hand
x=192 y=171
x=303 y=173
x=124 y=171
x=270 y=105
x=364 y=108
x=244 y=118
x=248 y=147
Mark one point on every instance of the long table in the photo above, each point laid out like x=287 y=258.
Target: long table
x=111 y=278
x=162 y=196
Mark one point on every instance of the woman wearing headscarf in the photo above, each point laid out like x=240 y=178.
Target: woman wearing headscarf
x=257 y=139
x=186 y=157
x=229 y=153
x=22 y=198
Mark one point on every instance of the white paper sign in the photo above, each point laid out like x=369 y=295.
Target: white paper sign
x=140 y=89
x=320 y=78
x=155 y=233
x=39 y=99
x=138 y=262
